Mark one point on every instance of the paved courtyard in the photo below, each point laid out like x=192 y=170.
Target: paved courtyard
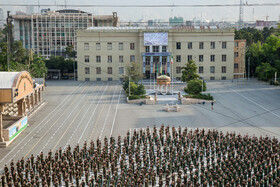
x=75 y=112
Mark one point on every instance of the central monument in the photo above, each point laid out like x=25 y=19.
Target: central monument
x=163 y=81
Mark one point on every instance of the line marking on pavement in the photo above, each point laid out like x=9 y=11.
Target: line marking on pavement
x=106 y=118
x=54 y=110
x=49 y=129
x=92 y=114
x=72 y=122
x=80 y=121
x=115 y=114
x=93 y=123
x=257 y=104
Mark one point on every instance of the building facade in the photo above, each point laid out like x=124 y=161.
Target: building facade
x=103 y=53
x=239 y=59
x=51 y=32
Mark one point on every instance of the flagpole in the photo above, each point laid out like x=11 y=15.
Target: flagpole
x=172 y=80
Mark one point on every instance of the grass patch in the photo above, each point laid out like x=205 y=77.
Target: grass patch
x=134 y=97
x=200 y=96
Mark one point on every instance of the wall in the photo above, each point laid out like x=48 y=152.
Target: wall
x=174 y=36
x=6 y=96
x=24 y=85
x=240 y=60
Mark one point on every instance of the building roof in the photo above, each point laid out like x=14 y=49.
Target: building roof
x=160 y=28
x=7 y=79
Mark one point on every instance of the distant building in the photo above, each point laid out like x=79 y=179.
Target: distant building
x=150 y=23
x=189 y=23
x=51 y=32
x=239 y=59
x=260 y=24
x=1 y=14
x=104 y=52
x=2 y=19
x=20 y=13
x=176 y=21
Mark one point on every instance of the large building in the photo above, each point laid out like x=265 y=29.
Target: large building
x=239 y=59
x=104 y=52
x=51 y=32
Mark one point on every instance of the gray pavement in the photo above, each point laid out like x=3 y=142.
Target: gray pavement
x=80 y=111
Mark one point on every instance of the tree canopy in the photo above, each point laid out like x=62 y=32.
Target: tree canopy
x=189 y=71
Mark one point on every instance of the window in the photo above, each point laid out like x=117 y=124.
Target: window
x=212 y=69
x=109 y=46
x=236 y=44
x=235 y=54
x=98 y=70
x=178 y=45
x=178 y=58
x=212 y=45
x=147 y=49
x=224 y=58
x=224 y=78
x=164 y=48
x=132 y=58
x=120 y=58
x=110 y=79
x=132 y=46
x=86 y=58
x=121 y=70
x=201 y=45
x=200 y=69
x=189 y=45
x=178 y=69
x=155 y=49
x=86 y=79
x=224 y=45
x=235 y=65
x=109 y=70
x=109 y=58
x=164 y=60
x=178 y=78
x=87 y=70
x=200 y=58
x=147 y=60
x=224 y=69
x=98 y=59
x=120 y=46
x=189 y=58
x=98 y=46
x=212 y=78
x=86 y=46
x=98 y=79
x=212 y=58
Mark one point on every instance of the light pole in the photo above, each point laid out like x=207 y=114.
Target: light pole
x=74 y=68
x=248 y=67
x=129 y=85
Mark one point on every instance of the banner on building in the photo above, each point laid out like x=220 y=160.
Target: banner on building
x=158 y=38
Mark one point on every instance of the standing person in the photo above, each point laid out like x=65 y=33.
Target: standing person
x=212 y=105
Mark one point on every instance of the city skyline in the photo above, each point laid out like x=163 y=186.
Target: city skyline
x=230 y=14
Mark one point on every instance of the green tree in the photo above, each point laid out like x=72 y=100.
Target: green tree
x=265 y=72
x=140 y=90
x=38 y=67
x=195 y=86
x=189 y=71
x=133 y=70
x=256 y=54
x=257 y=36
x=133 y=89
x=70 y=52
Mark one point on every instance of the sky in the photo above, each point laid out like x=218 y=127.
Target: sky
x=188 y=13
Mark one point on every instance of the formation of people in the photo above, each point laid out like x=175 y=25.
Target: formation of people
x=165 y=156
